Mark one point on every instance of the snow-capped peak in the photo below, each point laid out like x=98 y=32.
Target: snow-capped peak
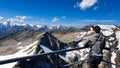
x=54 y=27
x=7 y=24
x=39 y=26
x=8 y=27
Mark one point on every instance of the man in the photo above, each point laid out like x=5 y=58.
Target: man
x=96 y=42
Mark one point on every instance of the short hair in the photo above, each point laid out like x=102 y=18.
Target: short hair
x=97 y=29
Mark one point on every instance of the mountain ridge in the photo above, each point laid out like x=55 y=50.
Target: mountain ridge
x=8 y=27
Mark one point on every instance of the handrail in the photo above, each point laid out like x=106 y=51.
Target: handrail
x=77 y=62
x=50 y=53
x=37 y=56
x=111 y=63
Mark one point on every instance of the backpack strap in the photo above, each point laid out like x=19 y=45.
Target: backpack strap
x=95 y=41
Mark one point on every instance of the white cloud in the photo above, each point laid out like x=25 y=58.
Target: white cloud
x=13 y=20
x=89 y=20
x=1 y=18
x=55 y=19
x=81 y=23
x=21 y=17
x=95 y=8
x=76 y=5
x=86 y=4
x=98 y=21
x=107 y=21
x=63 y=17
x=18 y=19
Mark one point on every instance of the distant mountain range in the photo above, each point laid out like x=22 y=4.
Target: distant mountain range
x=8 y=27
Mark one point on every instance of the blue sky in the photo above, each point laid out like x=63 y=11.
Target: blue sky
x=61 y=12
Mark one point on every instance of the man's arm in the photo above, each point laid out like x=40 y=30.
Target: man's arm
x=86 y=43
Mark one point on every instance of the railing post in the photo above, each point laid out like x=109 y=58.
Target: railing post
x=57 y=60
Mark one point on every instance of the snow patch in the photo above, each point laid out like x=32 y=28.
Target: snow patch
x=70 y=54
x=84 y=53
x=19 y=43
x=118 y=37
x=111 y=38
x=107 y=44
x=81 y=44
x=24 y=52
x=80 y=34
x=107 y=32
x=113 y=59
x=46 y=50
x=108 y=27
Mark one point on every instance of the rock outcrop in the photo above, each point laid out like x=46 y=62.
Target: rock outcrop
x=47 y=40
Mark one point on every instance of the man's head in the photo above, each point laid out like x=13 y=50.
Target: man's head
x=96 y=29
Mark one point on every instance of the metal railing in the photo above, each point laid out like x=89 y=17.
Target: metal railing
x=43 y=54
x=51 y=53
x=72 y=64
